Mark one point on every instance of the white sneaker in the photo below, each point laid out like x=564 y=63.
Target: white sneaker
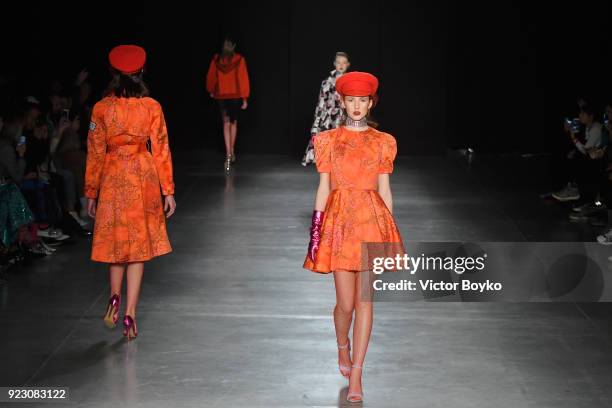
x=568 y=193
x=582 y=207
x=590 y=207
x=606 y=238
x=54 y=233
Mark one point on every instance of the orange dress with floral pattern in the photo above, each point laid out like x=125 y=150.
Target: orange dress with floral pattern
x=355 y=212
x=125 y=178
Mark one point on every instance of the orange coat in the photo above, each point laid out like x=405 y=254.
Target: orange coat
x=125 y=178
x=228 y=79
x=355 y=212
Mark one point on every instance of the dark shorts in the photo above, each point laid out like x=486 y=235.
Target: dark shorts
x=231 y=108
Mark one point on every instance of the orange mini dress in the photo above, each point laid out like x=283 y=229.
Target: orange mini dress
x=125 y=178
x=355 y=212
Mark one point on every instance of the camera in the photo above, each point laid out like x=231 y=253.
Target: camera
x=574 y=124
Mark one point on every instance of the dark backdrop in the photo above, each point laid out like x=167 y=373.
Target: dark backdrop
x=498 y=76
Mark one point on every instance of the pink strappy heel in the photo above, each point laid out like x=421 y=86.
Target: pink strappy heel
x=355 y=396
x=345 y=370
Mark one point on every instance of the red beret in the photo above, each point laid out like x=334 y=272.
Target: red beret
x=127 y=59
x=357 y=84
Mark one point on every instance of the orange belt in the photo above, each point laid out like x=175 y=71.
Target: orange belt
x=126 y=149
x=354 y=189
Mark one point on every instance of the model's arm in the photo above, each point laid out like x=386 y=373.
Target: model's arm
x=384 y=189
x=211 y=77
x=322 y=192
x=96 y=153
x=245 y=84
x=160 y=149
x=322 y=151
x=387 y=156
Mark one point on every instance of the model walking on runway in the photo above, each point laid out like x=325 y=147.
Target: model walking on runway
x=353 y=204
x=123 y=179
x=227 y=81
x=328 y=113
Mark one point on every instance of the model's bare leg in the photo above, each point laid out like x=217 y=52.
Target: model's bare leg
x=361 y=330
x=226 y=134
x=233 y=133
x=116 y=272
x=134 y=279
x=343 y=311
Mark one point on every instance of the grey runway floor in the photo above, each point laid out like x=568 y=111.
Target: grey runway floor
x=230 y=318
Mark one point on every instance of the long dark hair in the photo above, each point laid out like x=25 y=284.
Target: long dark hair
x=127 y=85
x=223 y=54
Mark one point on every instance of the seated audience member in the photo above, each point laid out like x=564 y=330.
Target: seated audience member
x=36 y=182
x=17 y=225
x=70 y=158
x=584 y=161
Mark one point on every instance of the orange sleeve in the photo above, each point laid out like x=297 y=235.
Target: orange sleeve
x=160 y=149
x=388 y=152
x=322 y=151
x=96 y=152
x=211 y=76
x=243 y=77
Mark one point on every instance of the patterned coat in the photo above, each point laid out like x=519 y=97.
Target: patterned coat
x=328 y=113
x=125 y=179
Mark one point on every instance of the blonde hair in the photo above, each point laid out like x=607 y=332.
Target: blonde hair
x=342 y=54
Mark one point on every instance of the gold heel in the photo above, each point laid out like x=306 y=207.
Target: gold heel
x=228 y=164
x=112 y=312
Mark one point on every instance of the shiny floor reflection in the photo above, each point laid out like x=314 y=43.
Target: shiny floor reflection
x=231 y=319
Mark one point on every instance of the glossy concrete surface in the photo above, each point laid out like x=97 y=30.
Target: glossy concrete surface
x=230 y=319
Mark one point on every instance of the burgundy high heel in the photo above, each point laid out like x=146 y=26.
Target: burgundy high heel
x=112 y=311
x=129 y=327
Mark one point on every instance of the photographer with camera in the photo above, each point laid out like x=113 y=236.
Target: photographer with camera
x=588 y=165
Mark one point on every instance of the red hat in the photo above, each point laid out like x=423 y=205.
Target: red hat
x=357 y=84
x=127 y=59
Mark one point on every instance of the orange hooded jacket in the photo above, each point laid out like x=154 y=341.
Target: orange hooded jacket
x=228 y=78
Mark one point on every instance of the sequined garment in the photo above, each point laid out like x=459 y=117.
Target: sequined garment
x=14 y=212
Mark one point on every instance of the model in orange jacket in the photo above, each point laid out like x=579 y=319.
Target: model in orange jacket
x=227 y=81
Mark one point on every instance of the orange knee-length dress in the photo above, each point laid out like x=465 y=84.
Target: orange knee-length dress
x=355 y=213
x=126 y=178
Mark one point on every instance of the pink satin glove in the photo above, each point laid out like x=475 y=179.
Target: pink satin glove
x=315 y=234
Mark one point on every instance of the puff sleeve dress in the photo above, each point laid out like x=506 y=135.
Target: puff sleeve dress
x=355 y=212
